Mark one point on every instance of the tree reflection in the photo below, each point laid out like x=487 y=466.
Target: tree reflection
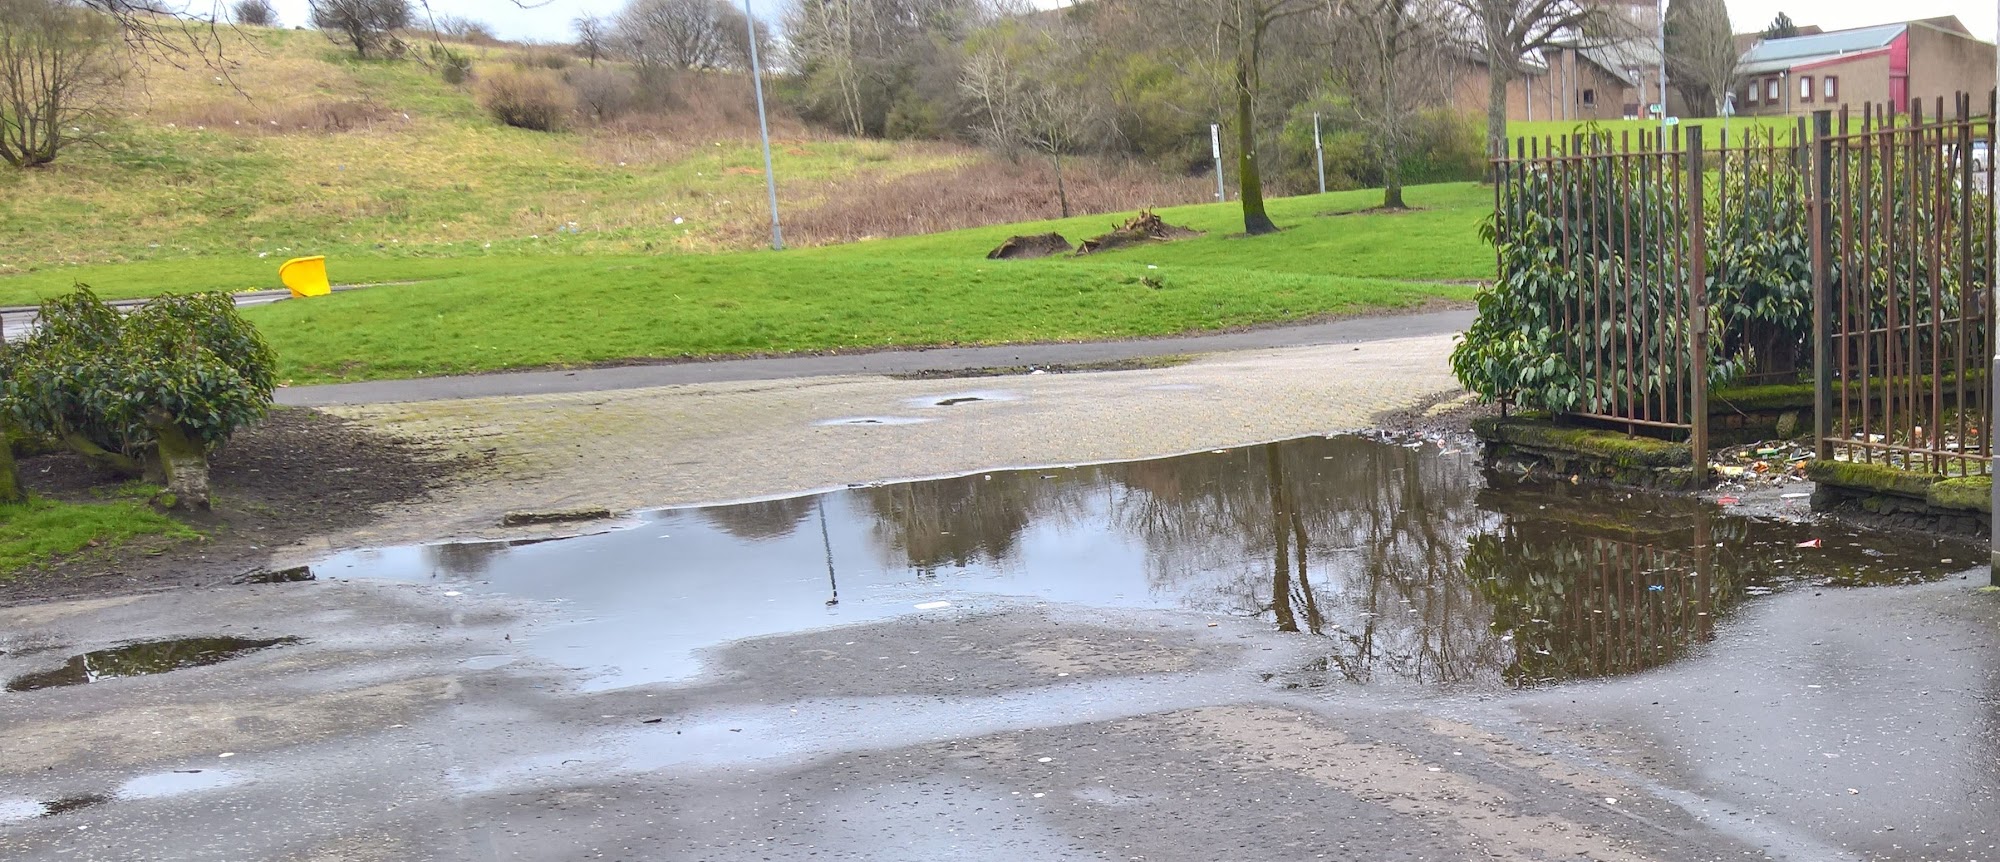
x=765 y=519
x=1404 y=561
x=963 y=521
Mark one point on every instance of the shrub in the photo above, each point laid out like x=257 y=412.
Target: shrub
x=150 y=393
x=527 y=99
x=255 y=13
x=455 y=67
x=603 y=93
x=363 y=24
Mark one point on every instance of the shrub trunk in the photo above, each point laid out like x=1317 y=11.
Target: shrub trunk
x=184 y=462
x=10 y=481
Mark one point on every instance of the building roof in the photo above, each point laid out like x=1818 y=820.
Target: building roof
x=1772 y=55
x=1624 y=58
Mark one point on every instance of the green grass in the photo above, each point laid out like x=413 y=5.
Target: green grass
x=497 y=248
x=179 y=181
x=513 y=312
x=1712 y=128
x=41 y=531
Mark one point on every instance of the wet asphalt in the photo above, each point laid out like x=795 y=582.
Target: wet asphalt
x=1844 y=724
x=1000 y=679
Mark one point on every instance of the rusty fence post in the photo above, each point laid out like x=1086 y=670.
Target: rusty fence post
x=1697 y=309
x=1822 y=284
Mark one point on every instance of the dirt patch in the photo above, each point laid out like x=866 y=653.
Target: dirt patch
x=1031 y=247
x=1141 y=229
x=1373 y=211
x=1138 y=364
x=297 y=474
x=1446 y=417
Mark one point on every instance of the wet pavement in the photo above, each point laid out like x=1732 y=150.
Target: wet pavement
x=1337 y=648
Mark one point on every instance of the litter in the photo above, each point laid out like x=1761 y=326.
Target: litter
x=932 y=606
x=1728 y=501
x=1809 y=543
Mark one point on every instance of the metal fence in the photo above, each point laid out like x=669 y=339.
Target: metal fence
x=1903 y=278
x=1622 y=220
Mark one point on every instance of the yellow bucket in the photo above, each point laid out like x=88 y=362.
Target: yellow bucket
x=305 y=276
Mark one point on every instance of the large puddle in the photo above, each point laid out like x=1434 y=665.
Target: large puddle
x=142 y=659
x=1402 y=562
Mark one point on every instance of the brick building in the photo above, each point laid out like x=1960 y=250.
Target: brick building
x=1891 y=63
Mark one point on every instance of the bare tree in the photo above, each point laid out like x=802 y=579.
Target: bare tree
x=1701 y=54
x=824 y=45
x=1241 y=28
x=1396 y=62
x=59 y=65
x=361 y=24
x=254 y=13
x=1508 y=32
x=1028 y=100
x=593 y=38
x=682 y=34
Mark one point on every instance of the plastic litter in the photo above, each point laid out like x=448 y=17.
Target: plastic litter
x=1809 y=543
x=932 y=606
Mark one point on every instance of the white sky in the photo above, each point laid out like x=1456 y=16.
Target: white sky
x=550 y=21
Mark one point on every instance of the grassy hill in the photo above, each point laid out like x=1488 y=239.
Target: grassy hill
x=499 y=248
x=211 y=180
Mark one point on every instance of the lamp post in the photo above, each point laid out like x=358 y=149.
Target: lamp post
x=1663 y=74
x=764 y=129
x=1993 y=297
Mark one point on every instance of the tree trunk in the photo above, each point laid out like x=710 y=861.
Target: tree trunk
x=10 y=481
x=1062 y=191
x=101 y=458
x=186 y=466
x=1281 y=570
x=1496 y=114
x=1249 y=180
x=1392 y=179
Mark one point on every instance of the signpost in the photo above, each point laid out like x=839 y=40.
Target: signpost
x=1319 y=153
x=1215 y=146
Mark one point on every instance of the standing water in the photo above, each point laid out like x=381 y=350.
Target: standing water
x=1404 y=562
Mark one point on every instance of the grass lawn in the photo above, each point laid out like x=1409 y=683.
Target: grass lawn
x=1712 y=128
x=39 y=531
x=502 y=312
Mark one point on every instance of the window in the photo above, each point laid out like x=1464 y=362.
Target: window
x=1755 y=93
x=1805 y=88
x=1590 y=98
x=1832 y=86
x=1771 y=90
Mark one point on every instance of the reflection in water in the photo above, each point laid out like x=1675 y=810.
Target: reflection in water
x=1399 y=560
x=141 y=659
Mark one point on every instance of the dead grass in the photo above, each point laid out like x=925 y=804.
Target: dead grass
x=983 y=191
x=316 y=115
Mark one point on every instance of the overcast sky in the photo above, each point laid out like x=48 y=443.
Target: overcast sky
x=550 y=21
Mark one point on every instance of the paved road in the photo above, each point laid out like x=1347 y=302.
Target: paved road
x=17 y=321
x=417 y=723
x=670 y=445
x=883 y=363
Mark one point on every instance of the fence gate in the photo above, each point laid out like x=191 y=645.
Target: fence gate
x=1903 y=240
x=1623 y=221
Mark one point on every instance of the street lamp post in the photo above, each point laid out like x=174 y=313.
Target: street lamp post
x=764 y=128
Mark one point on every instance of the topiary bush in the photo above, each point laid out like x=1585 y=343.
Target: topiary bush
x=148 y=394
